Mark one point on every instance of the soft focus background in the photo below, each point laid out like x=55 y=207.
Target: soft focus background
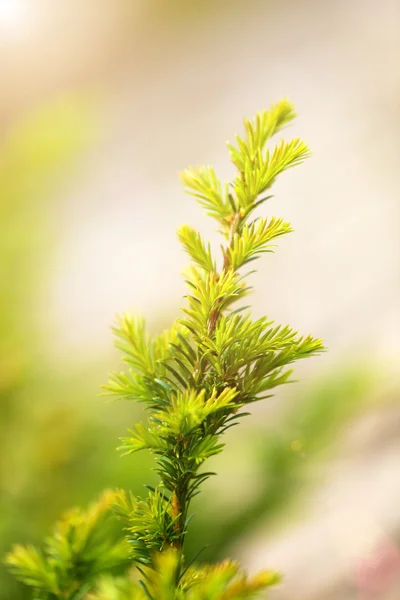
x=101 y=105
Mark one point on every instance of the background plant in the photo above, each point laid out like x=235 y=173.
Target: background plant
x=49 y=420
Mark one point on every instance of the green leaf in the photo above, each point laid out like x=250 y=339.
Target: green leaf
x=204 y=185
x=259 y=131
x=260 y=171
x=195 y=247
x=254 y=239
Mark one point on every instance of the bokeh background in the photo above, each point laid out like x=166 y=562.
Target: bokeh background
x=102 y=103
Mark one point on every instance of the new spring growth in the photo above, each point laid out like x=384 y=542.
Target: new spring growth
x=195 y=381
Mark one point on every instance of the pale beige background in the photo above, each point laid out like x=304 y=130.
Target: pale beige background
x=171 y=82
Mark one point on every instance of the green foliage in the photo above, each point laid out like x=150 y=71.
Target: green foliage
x=42 y=473
x=149 y=523
x=194 y=381
x=254 y=240
x=195 y=247
x=222 y=581
x=281 y=457
x=82 y=546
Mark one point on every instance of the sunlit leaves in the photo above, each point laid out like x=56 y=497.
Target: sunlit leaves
x=204 y=185
x=186 y=412
x=210 y=295
x=222 y=581
x=193 y=379
x=151 y=375
x=30 y=566
x=268 y=371
x=117 y=588
x=195 y=247
x=254 y=239
x=250 y=353
x=260 y=170
x=196 y=377
x=257 y=168
x=259 y=131
x=189 y=410
x=144 y=438
x=135 y=343
x=149 y=523
x=83 y=545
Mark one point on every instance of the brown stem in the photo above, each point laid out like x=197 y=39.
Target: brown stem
x=235 y=222
x=179 y=503
x=179 y=510
x=215 y=312
x=179 y=506
x=176 y=511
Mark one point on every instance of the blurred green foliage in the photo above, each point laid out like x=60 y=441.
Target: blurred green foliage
x=49 y=452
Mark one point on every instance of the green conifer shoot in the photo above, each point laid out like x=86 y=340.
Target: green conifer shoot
x=196 y=381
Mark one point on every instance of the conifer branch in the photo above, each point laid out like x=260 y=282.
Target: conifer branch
x=194 y=380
